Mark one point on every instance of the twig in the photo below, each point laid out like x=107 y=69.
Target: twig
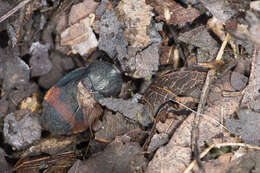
x=206 y=117
x=13 y=10
x=192 y=164
x=252 y=90
x=203 y=98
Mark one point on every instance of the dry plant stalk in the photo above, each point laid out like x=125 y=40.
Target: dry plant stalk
x=203 y=98
x=192 y=164
x=13 y=10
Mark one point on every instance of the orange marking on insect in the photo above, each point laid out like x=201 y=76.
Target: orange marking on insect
x=52 y=98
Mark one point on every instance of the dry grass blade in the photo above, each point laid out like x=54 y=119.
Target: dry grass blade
x=192 y=164
x=205 y=116
x=13 y=10
x=203 y=98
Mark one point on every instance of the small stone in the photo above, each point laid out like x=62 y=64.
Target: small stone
x=157 y=141
x=255 y=105
x=128 y=108
x=40 y=62
x=15 y=73
x=67 y=63
x=21 y=133
x=238 y=81
x=50 y=78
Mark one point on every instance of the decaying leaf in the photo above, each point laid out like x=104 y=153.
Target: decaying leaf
x=22 y=132
x=146 y=62
x=128 y=108
x=119 y=156
x=177 y=153
x=114 y=125
x=4 y=167
x=173 y=13
x=91 y=109
x=134 y=61
x=81 y=10
x=247 y=163
x=77 y=167
x=219 y=9
x=110 y=33
x=238 y=81
x=15 y=72
x=56 y=163
x=246 y=126
x=183 y=86
x=137 y=16
x=80 y=37
x=51 y=145
x=201 y=38
x=220 y=165
x=157 y=141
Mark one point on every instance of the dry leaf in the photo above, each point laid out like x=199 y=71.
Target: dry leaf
x=81 y=10
x=90 y=108
x=80 y=37
x=137 y=16
x=176 y=154
x=119 y=156
x=174 y=13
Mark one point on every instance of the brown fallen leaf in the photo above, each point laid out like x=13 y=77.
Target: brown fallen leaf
x=137 y=16
x=183 y=86
x=51 y=145
x=176 y=154
x=81 y=10
x=220 y=9
x=174 y=13
x=220 y=165
x=114 y=125
x=200 y=37
x=77 y=167
x=4 y=167
x=90 y=108
x=119 y=156
x=80 y=37
x=56 y=163
x=246 y=125
x=247 y=163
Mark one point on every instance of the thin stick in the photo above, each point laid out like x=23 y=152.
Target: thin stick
x=192 y=164
x=221 y=51
x=203 y=98
x=13 y=10
x=206 y=117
